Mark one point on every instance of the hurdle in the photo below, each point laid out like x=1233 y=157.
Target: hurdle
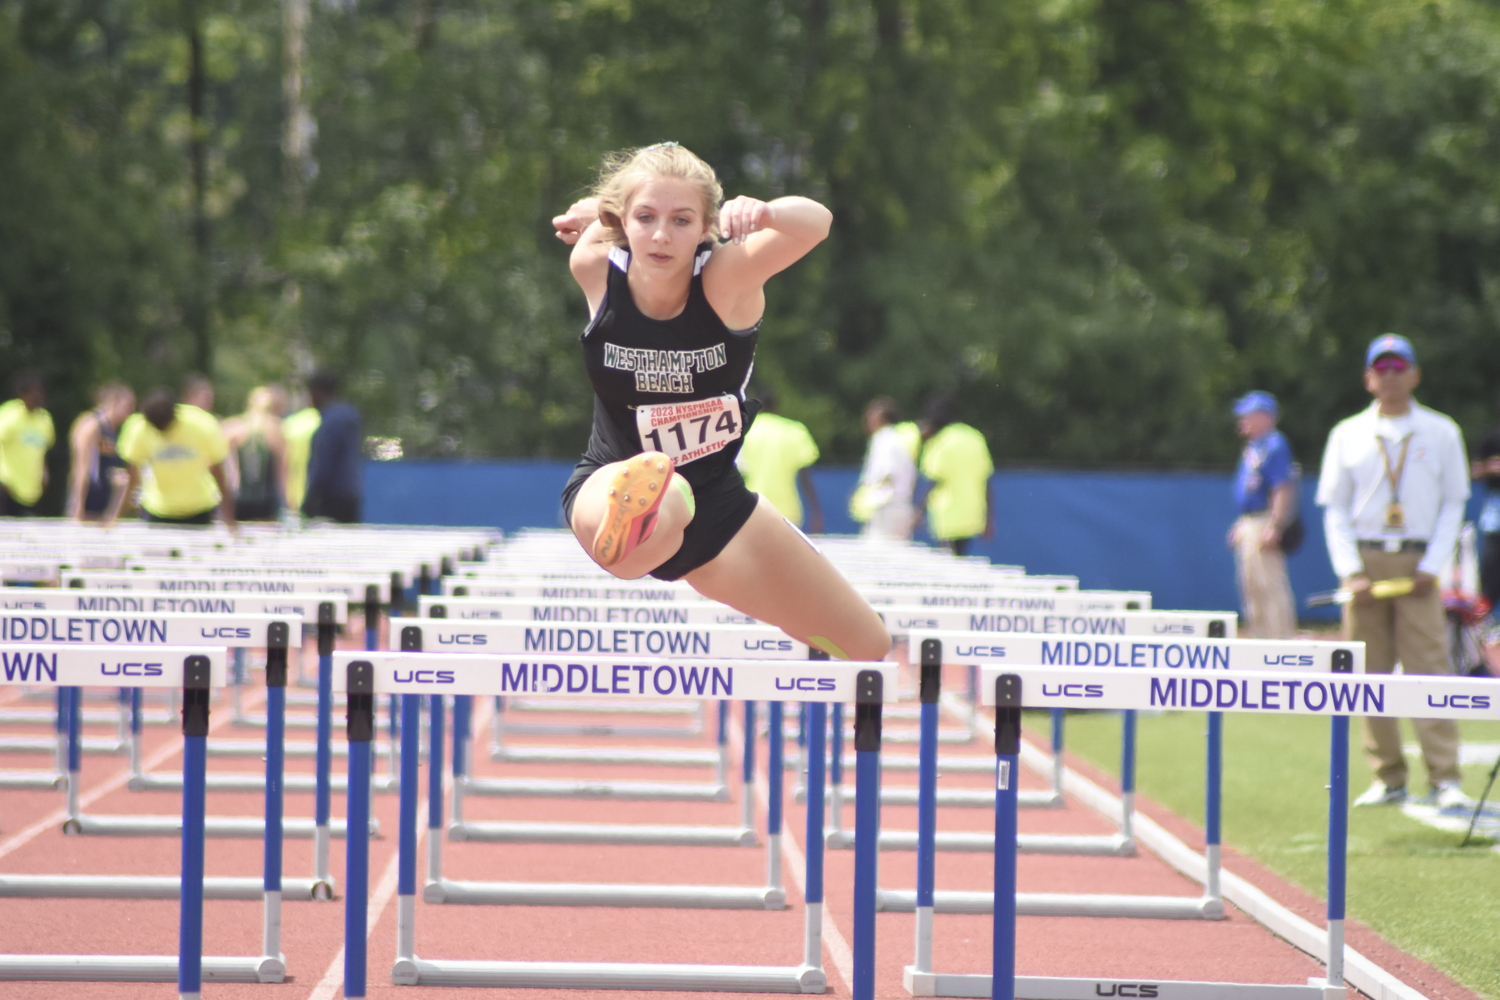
x=438 y=609
x=1170 y=658
x=961 y=647
x=133 y=887
x=237 y=628
x=589 y=612
x=499 y=637
x=1064 y=615
x=1338 y=697
x=550 y=638
x=722 y=641
x=734 y=680
x=195 y=671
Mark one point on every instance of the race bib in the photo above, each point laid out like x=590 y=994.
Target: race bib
x=686 y=432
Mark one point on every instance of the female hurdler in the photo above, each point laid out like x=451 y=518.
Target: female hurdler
x=669 y=349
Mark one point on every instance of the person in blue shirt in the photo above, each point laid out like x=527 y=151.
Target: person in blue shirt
x=1265 y=493
x=335 y=479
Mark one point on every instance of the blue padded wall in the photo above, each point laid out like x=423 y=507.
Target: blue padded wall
x=1157 y=531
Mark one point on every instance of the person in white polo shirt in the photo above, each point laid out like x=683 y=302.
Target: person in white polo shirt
x=1394 y=483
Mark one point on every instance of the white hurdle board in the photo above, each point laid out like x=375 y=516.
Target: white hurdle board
x=266 y=582
x=1093 y=623
x=582 y=612
x=156 y=602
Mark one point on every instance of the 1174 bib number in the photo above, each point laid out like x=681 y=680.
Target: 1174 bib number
x=686 y=432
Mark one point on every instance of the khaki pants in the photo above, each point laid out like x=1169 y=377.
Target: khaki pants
x=1411 y=630
x=1264 y=589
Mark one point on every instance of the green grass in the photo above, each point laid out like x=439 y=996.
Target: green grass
x=1408 y=881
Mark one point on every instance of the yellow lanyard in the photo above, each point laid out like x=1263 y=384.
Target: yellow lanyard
x=1394 y=476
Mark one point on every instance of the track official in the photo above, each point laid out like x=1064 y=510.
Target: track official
x=1394 y=483
x=1265 y=490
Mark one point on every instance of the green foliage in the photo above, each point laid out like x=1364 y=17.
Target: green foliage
x=1094 y=220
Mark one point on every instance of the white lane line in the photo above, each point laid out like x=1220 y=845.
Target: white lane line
x=795 y=864
x=333 y=979
x=173 y=746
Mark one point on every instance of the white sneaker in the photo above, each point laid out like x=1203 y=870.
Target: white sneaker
x=1379 y=795
x=1450 y=795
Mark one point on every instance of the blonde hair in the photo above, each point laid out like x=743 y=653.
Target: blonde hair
x=622 y=173
x=267 y=401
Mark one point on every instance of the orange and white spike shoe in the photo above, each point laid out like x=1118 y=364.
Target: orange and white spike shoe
x=634 y=495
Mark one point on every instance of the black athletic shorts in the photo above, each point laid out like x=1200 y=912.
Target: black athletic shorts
x=257 y=510
x=204 y=517
x=723 y=506
x=11 y=507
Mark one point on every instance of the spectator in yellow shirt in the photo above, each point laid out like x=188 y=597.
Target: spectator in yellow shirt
x=957 y=460
x=774 y=461
x=298 y=430
x=25 y=435
x=179 y=450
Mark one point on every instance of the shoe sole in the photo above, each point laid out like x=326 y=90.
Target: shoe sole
x=635 y=492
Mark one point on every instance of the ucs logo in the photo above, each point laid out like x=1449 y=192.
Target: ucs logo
x=1290 y=660
x=1459 y=701
x=806 y=684
x=783 y=645
x=462 y=640
x=1125 y=990
x=1075 y=691
x=423 y=677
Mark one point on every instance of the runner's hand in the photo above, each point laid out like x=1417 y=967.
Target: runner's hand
x=739 y=217
x=1422 y=583
x=579 y=216
x=1359 y=586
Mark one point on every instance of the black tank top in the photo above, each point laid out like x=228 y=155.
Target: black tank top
x=633 y=360
x=97 y=496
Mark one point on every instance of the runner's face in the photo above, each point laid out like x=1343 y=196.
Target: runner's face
x=120 y=406
x=664 y=223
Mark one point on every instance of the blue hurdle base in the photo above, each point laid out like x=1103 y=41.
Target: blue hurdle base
x=935 y=984
x=611 y=975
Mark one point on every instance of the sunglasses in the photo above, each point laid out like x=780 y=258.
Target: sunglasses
x=1390 y=364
